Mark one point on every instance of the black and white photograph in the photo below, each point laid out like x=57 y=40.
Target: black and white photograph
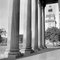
x=29 y=29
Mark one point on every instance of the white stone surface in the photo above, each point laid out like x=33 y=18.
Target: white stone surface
x=52 y=55
x=55 y=11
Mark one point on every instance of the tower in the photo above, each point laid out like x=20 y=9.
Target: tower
x=50 y=18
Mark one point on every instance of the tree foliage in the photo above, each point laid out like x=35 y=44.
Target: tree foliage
x=2 y=31
x=52 y=34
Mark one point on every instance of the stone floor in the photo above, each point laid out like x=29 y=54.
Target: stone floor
x=45 y=54
x=52 y=55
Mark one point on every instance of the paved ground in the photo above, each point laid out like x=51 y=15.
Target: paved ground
x=52 y=55
x=45 y=54
x=3 y=52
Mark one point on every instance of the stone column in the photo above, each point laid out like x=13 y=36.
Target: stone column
x=43 y=28
x=59 y=11
x=36 y=26
x=14 y=42
x=40 y=6
x=28 y=29
x=59 y=4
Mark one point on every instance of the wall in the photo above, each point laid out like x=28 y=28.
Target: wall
x=55 y=8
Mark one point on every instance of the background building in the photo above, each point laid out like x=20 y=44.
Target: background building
x=51 y=15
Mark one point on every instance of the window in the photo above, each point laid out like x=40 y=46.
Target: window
x=50 y=10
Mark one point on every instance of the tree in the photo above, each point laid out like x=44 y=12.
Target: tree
x=52 y=34
x=2 y=31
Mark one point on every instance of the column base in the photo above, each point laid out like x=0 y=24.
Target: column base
x=15 y=54
x=29 y=51
x=36 y=50
x=41 y=47
x=44 y=47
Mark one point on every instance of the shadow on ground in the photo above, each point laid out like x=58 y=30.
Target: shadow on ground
x=35 y=53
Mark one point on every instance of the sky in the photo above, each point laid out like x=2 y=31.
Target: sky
x=3 y=13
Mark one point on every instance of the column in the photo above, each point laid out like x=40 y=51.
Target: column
x=28 y=29
x=59 y=12
x=36 y=26
x=43 y=28
x=14 y=29
x=59 y=4
x=40 y=6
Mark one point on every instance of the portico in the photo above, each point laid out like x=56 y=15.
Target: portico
x=14 y=29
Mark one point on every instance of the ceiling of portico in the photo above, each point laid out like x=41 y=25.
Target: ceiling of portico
x=51 y=1
x=48 y=1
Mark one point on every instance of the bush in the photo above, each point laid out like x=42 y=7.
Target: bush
x=52 y=34
x=2 y=32
x=0 y=39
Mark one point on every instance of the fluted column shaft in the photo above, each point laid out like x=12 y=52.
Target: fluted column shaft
x=43 y=28
x=36 y=26
x=28 y=29
x=59 y=4
x=40 y=6
x=14 y=43
x=59 y=11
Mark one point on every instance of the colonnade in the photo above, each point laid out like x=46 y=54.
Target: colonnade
x=14 y=43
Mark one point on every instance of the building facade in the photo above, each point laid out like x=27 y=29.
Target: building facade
x=51 y=16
